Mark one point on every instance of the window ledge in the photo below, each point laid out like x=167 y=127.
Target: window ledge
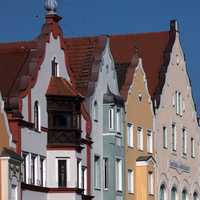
x=174 y=153
x=98 y=189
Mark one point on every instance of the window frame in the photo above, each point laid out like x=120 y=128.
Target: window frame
x=130 y=135
x=130 y=180
x=149 y=141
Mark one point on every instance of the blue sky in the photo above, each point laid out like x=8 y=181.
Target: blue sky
x=22 y=20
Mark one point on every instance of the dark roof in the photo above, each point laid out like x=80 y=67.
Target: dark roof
x=110 y=98
x=10 y=153
x=151 y=47
x=144 y=158
x=84 y=56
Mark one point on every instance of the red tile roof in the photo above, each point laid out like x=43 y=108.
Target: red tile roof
x=14 y=58
x=58 y=86
x=84 y=55
x=151 y=48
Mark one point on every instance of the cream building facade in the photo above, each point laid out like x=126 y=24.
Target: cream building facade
x=177 y=132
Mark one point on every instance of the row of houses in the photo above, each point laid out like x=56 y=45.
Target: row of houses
x=104 y=117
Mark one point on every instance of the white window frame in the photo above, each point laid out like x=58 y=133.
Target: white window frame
x=111 y=118
x=97 y=171
x=95 y=112
x=192 y=147
x=151 y=183
x=118 y=169
x=79 y=171
x=55 y=68
x=106 y=172
x=130 y=135
x=118 y=120
x=149 y=141
x=184 y=141
x=174 y=137
x=85 y=180
x=140 y=138
x=165 y=137
x=38 y=117
x=130 y=180
x=67 y=159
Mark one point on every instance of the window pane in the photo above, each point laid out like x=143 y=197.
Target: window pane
x=97 y=171
x=106 y=175
x=62 y=173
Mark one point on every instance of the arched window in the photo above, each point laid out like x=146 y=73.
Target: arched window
x=195 y=196
x=184 y=195
x=37 y=116
x=174 y=193
x=162 y=192
x=55 y=67
x=95 y=111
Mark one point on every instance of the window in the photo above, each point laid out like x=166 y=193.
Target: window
x=95 y=111
x=63 y=120
x=55 y=67
x=149 y=141
x=97 y=180
x=174 y=194
x=118 y=168
x=14 y=192
x=173 y=137
x=62 y=173
x=192 y=148
x=33 y=169
x=25 y=167
x=162 y=192
x=42 y=171
x=79 y=174
x=150 y=183
x=140 y=138
x=111 y=118
x=130 y=181
x=195 y=196
x=184 y=142
x=165 y=137
x=178 y=103
x=118 y=120
x=84 y=179
x=106 y=175
x=130 y=134
x=184 y=195
x=37 y=116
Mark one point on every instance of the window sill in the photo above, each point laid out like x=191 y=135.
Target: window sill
x=98 y=189
x=131 y=193
x=164 y=147
x=105 y=189
x=151 y=195
x=131 y=147
x=95 y=120
x=174 y=153
x=119 y=191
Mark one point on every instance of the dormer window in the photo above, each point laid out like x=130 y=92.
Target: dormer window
x=37 y=122
x=55 y=67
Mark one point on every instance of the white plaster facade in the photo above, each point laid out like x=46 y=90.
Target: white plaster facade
x=174 y=169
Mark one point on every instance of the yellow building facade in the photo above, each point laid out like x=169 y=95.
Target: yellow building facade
x=139 y=142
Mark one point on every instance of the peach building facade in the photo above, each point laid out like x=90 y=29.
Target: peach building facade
x=9 y=161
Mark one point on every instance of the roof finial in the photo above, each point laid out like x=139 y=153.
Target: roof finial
x=51 y=6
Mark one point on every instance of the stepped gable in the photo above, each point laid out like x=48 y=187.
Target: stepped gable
x=153 y=48
x=84 y=57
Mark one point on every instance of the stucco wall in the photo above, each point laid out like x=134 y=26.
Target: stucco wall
x=107 y=77
x=177 y=79
x=140 y=114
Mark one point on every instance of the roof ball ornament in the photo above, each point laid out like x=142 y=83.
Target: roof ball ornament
x=51 y=6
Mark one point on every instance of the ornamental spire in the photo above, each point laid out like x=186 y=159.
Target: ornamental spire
x=51 y=6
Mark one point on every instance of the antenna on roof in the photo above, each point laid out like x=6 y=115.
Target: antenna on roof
x=51 y=6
